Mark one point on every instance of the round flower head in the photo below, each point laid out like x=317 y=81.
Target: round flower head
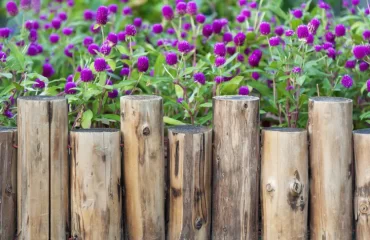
x=219 y=79
x=171 y=31
x=239 y=39
x=181 y=8
x=142 y=64
x=167 y=12
x=94 y=29
x=130 y=30
x=359 y=51
x=62 y=16
x=2 y=56
x=12 y=8
x=86 y=75
x=313 y=25
x=368 y=85
x=255 y=58
x=127 y=11
x=93 y=49
x=157 y=28
x=289 y=33
x=112 y=38
x=8 y=113
x=33 y=36
x=296 y=70
x=297 y=13
x=255 y=75
x=113 y=93
x=331 y=53
x=25 y=4
x=279 y=30
x=200 y=18
x=242 y=2
x=207 y=30
x=69 y=78
x=367 y=11
x=347 y=81
x=219 y=49
x=244 y=90
x=217 y=26
x=32 y=50
x=183 y=46
x=220 y=61
x=102 y=15
x=200 y=78
x=67 y=31
x=340 y=30
x=39 y=84
x=186 y=26
x=228 y=37
x=330 y=37
x=70 y=3
x=350 y=64
x=47 y=70
x=310 y=39
x=192 y=8
x=56 y=23
x=121 y=36
x=253 y=5
x=68 y=52
x=4 y=32
x=363 y=66
x=105 y=49
x=240 y=18
x=87 y=41
x=355 y=2
x=274 y=41
x=302 y=31
x=265 y=28
x=171 y=58
x=231 y=50
x=240 y=57
x=113 y=8
x=89 y=15
x=125 y=71
x=138 y=22
x=366 y=35
x=100 y=64
x=69 y=88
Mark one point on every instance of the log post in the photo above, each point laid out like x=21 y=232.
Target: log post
x=235 y=167
x=284 y=183
x=42 y=168
x=96 y=195
x=330 y=136
x=8 y=183
x=142 y=131
x=190 y=182
x=361 y=140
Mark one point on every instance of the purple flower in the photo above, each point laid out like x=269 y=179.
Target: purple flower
x=47 y=70
x=242 y=2
x=253 y=5
x=32 y=50
x=39 y=84
x=302 y=31
x=183 y=46
x=220 y=61
x=138 y=22
x=179 y=100
x=93 y=49
x=240 y=18
x=121 y=36
x=350 y=64
x=219 y=79
x=87 y=41
x=94 y=29
x=355 y=2
x=69 y=88
x=62 y=16
x=313 y=25
x=100 y=64
x=125 y=71
x=368 y=85
x=347 y=81
x=102 y=15
x=200 y=78
x=192 y=8
x=167 y=12
x=340 y=30
x=265 y=28
x=240 y=57
x=310 y=39
x=130 y=30
x=181 y=8
x=105 y=49
x=279 y=30
x=331 y=53
x=2 y=56
x=330 y=37
x=171 y=31
x=296 y=70
x=112 y=38
x=89 y=15
x=217 y=26
x=142 y=64
x=289 y=33
x=274 y=41
x=239 y=39
x=297 y=13
x=113 y=93
x=55 y=23
x=4 y=32
x=33 y=36
x=200 y=18
x=246 y=13
x=228 y=37
x=12 y=8
x=171 y=58
x=207 y=30
x=359 y=51
x=289 y=87
x=113 y=8
x=363 y=66
x=220 y=49
x=255 y=58
x=69 y=78
x=244 y=90
x=8 y=113
x=127 y=11
x=255 y=75
x=25 y=4
x=86 y=75
x=157 y=28
x=366 y=35
x=67 y=31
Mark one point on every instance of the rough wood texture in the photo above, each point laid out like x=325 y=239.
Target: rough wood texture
x=8 y=183
x=284 y=183
x=190 y=182
x=330 y=135
x=96 y=195
x=42 y=168
x=235 y=167
x=142 y=131
x=362 y=198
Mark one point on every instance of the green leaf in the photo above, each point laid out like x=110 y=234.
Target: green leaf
x=18 y=56
x=122 y=49
x=112 y=64
x=179 y=91
x=158 y=68
x=260 y=87
x=300 y=80
x=6 y=75
x=115 y=117
x=102 y=78
x=206 y=105
x=86 y=119
x=278 y=11
x=96 y=26
x=172 y=121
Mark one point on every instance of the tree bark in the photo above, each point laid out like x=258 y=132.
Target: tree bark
x=190 y=182
x=235 y=167
x=330 y=135
x=142 y=131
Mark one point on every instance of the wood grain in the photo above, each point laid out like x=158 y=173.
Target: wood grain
x=190 y=182
x=235 y=167
x=284 y=183
x=330 y=135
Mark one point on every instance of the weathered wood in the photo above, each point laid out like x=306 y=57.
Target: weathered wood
x=142 y=131
x=190 y=182
x=330 y=135
x=361 y=140
x=8 y=183
x=96 y=189
x=284 y=183
x=235 y=167
x=42 y=168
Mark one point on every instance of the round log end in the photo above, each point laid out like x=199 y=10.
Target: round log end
x=282 y=129
x=362 y=131
x=42 y=98
x=141 y=98
x=7 y=129
x=188 y=129
x=95 y=130
x=236 y=98
x=330 y=100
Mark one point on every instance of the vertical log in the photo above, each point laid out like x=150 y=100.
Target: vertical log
x=190 y=182
x=142 y=131
x=235 y=167
x=8 y=183
x=362 y=198
x=96 y=195
x=284 y=183
x=330 y=135
x=42 y=168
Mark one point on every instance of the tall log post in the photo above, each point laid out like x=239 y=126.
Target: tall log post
x=362 y=198
x=190 y=182
x=96 y=195
x=235 y=167
x=330 y=135
x=142 y=131
x=284 y=183
x=8 y=183
x=42 y=168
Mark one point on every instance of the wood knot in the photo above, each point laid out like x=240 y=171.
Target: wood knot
x=364 y=208
x=245 y=105
x=296 y=187
x=122 y=115
x=198 y=223
x=269 y=187
x=146 y=131
x=8 y=190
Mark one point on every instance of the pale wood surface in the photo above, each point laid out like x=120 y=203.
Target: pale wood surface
x=284 y=183
x=330 y=135
x=96 y=188
x=8 y=183
x=235 y=168
x=42 y=168
x=190 y=182
x=142 y=131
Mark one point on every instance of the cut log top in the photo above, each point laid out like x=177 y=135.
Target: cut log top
x=7 y=129
x=362 y=131
x=188 y=129
x=331 y=99
x=42 y=98
x=236 y=98
x=141 y=98
x=95 y=130
x=288 y=130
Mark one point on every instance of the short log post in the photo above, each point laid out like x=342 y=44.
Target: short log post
x=142 y=131
x=42 y=168
x=235 y=167
x=8 y=183
x=96 y=195
x=284 y=183
x=330 y=136
x=190 y=182
x=362 y=194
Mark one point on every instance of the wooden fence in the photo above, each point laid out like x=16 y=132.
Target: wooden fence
x=117 y=183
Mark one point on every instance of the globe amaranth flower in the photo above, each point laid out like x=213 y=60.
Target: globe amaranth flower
x=217 y=26
x=47 y=70
x=183 y=46
x=255 y=75
x=255 y=58
x=105 y=49
x=113 y=8
x=363 y=66
x=32 y=50
x=367 y=11
x=89 y=15
x=113 y=93
x=63 y=16
x=138 y=22
x=127 y=11
x=93 y=49
x=240 y=57
x=366 y=35
x=244 y=90
x=297 y=13
x=220 y=61
x=12 y=8
x=100 y=64
x=143 y=64
x=102 y=15
x=340 y=30
x=180 y=100
x=228 y=37
x=207 y=30
x=56 y=23
x=181 y=8
x=239 y=39
x=39 y=84
x=88 y=41
x=125 y=71
x=3 y=56
x=157 y=28
x=69 y=88
x=219 y=79
x=200 y=18
x=4 y=32
x=302 y=31
x=240 y=18
x=310 y=39
x=330 y=37
x=121 y=36
x=112 y=39
x=87 y=75
x=70 y=3
x=253 y=5
x=192 y=8
x=296 y=70
x=200 y=78
x=67 y=31
x=279 y=30
x=350 y=64
x=274 y=41
x=25 y=4
x=355 y=2
x=33 y=36
x=231 y=50
x=8 y=113
x=265 y=28
x=368 y=85
x=289 y=33
x=331 y=53
x=54 y=38
x=313 y=25
x=219 y=49
x=167 y=12
x=360 y=51
x=171 y=58
x=130 y=30
x=347 y=81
